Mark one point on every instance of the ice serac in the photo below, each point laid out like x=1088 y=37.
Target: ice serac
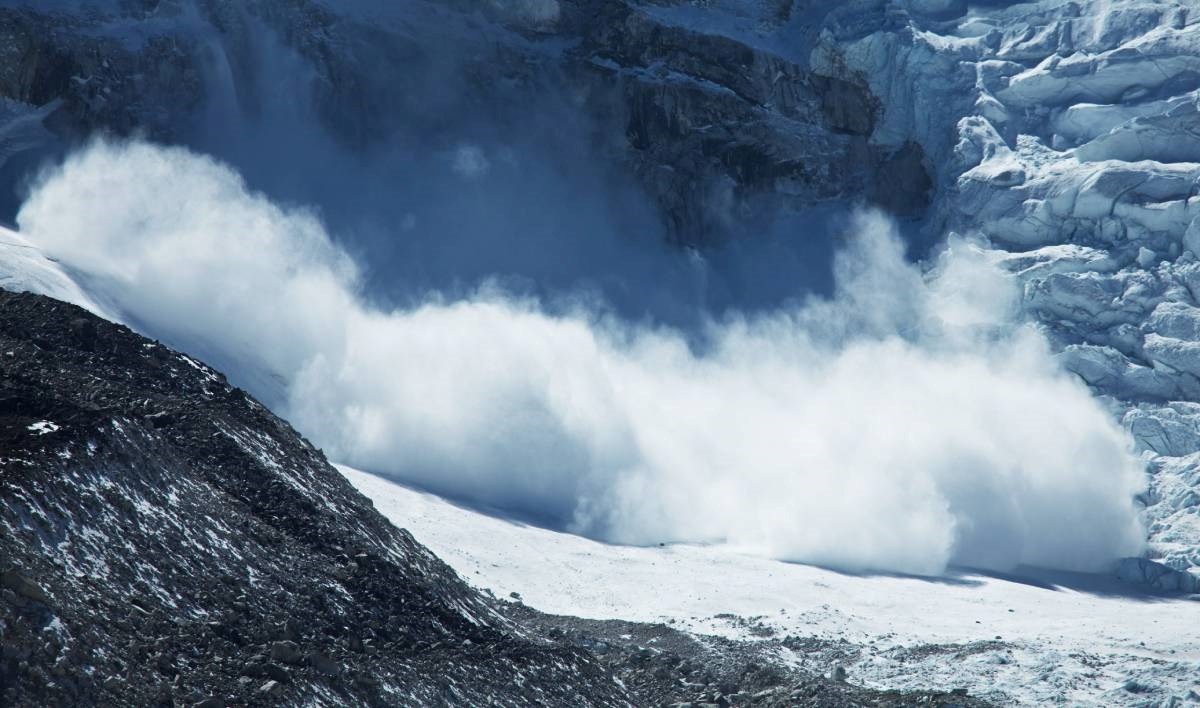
x=1066 y=133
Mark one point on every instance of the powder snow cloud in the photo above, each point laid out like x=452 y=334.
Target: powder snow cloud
x=905 y=423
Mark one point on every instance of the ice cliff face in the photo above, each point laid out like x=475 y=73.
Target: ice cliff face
x=1066 y=134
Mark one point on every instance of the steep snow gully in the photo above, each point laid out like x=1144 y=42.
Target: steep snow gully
x=1024 y=392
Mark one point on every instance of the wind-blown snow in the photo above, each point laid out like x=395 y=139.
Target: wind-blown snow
x=904 y=424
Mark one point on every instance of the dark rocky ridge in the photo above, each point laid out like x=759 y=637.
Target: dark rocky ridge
x=166 y=540
x=163 y=536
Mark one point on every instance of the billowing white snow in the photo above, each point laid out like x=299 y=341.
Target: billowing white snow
x=906 y=423
x=1068 y=134
x=1028 y=642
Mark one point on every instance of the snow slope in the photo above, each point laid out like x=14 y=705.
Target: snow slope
x=23 y=267
x=1087 y=642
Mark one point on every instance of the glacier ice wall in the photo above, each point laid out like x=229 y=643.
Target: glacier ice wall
x=1065 y=133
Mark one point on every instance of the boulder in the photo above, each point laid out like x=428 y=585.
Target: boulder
x=23 y=586
x=286 y=651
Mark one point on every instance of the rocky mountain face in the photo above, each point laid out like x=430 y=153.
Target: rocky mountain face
x=165 y=540
x=164 y=537
x=720 y=131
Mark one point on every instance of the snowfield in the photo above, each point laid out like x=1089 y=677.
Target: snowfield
x=1077 y=639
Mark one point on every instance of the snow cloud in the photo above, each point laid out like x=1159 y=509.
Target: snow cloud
x=905 y=423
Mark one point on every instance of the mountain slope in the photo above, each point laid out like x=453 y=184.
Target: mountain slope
x=164 y=535
x=718 y=131
x=166 y=540
x=160 y=528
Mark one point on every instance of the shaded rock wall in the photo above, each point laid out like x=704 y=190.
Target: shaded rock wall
x=720 y=131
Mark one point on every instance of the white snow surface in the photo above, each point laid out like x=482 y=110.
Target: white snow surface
x=1028 y=642
x=24 y=268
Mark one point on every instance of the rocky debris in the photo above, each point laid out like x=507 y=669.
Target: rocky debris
x=322 y=663
x=286 y=651
x=150 y=563
x=271 y=688
x=24 y=587
x=669 y=667
x=838 y=673
x=220 y=560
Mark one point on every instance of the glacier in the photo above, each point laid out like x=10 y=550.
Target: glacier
x=1011 y=641
x=1066 y=134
